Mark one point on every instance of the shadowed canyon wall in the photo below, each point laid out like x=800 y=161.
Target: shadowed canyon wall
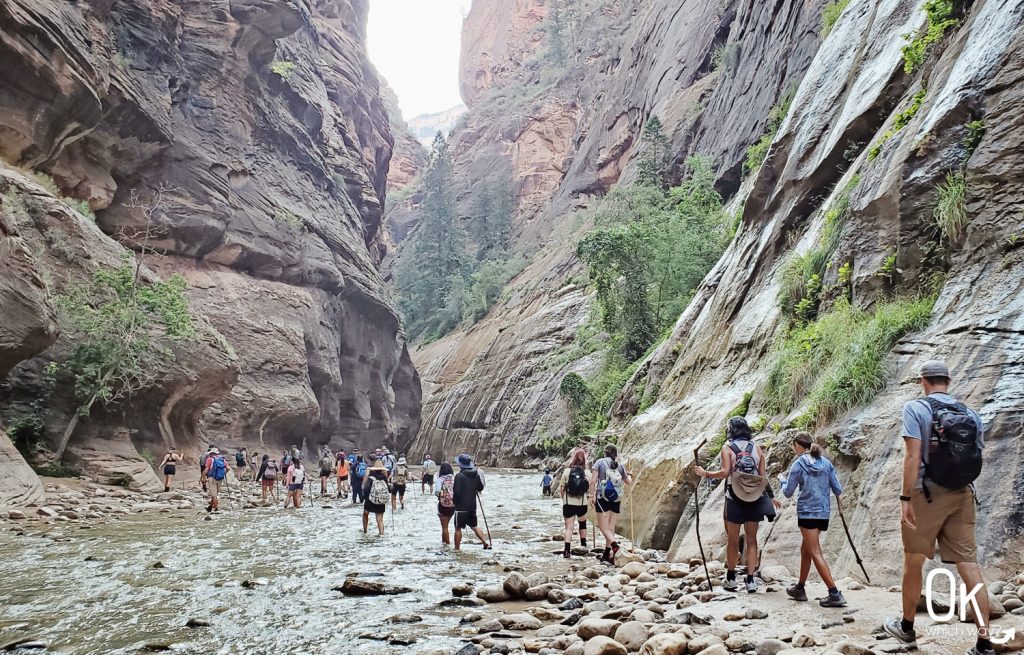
x=255 y=135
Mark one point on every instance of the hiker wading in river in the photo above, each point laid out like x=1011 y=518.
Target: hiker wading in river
x=608 y=484
x=748 y=497
x=377 y=492
x=576 y=481
x=296 y=481
x=944 y=441
x=816 y=478
x=444 y=488
x=468 y=483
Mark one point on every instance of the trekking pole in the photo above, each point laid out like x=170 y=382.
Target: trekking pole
x=490 y=542
x=696 y=516
x=860 y=562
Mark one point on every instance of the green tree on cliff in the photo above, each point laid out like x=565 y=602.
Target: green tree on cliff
x=655 y=155
x=491 y=225
x=431 y=278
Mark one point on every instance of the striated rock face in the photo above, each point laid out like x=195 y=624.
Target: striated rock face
x=497 y=38
x=720 y=347
x=260 y=125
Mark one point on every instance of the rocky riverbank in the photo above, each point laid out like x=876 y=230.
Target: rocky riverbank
x=650 y=606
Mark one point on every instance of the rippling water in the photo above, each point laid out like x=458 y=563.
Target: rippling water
x=116 y=602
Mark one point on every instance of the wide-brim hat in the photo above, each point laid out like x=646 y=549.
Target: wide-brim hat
x=378 y=466
x=215 y=451
x=385 y=451
x=748 y=487
x=464 y=461
x=401 y=460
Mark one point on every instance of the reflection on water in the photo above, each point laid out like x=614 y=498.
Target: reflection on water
x=97 y=591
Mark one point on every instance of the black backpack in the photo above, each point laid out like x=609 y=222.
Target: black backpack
x=577 y=484
x=954 y=457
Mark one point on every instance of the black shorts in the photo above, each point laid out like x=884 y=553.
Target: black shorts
x=569 y=511
x=427 y=479
x=398 y=490
x=602 y=506
x=326 y=474
x=465 y=520
x=739 y=511
x=813 y=524
x=445 y=511
x=374 y=508
x=169 y=469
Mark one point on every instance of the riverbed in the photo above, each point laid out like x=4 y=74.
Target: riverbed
x=261 y=578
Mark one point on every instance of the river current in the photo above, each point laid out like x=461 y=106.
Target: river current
x=262 y=578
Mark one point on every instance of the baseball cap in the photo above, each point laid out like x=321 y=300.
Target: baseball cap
x=935 y=368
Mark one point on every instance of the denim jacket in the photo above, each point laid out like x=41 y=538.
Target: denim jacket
x=816 y=479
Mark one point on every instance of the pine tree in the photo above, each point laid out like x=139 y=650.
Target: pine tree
x=556 y=33
x=432 y=275
x=655 y=155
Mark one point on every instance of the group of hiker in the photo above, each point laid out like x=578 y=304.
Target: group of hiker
x=943 y=456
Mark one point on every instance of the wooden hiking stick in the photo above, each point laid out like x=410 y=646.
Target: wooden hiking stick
x=860 y=562
x=490 y=542
x=696 y=516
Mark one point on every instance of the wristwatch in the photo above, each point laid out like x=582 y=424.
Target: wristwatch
x=904 y=499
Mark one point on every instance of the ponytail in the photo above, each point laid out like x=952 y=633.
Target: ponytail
x=815 y=451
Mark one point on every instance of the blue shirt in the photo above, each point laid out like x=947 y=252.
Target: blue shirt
x=917 y=424
x=816 y=479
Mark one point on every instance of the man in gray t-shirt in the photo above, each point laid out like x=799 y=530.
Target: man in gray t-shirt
x=941 y=515
x=917 y=424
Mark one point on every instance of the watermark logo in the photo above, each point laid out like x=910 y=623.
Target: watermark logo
x=959 y=600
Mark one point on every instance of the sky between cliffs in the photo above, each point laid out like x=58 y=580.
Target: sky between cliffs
x=415 y=45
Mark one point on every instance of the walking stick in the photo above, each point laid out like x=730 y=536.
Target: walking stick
x=490 y=542
x=696 y=516
x=860 y=562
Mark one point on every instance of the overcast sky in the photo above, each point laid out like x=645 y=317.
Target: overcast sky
x=415 y=45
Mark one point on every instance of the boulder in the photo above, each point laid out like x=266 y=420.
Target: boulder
x=715 y=649
x=632 y=635
x=777 y=573
x=516 y=585
x=701 y=643
x=624 y=557
x=520 y=622
x=803 y=639
x=850 y=648
x=604 y=646
x=461 y=589
x=537 y=593
x=493 y=594
x=665 y=644
x=755 y=613
x=592 y=627
x=634 y=569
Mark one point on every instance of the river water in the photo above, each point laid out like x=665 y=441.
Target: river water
x=97 y=591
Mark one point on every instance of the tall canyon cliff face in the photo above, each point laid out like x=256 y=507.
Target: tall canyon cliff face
x=259 y=128
x=711 y=72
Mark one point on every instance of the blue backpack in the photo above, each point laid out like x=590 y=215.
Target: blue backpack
x=219 y=470
x=361 y=470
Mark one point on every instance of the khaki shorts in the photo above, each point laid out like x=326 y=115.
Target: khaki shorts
x=213 y=487
x=948 y=519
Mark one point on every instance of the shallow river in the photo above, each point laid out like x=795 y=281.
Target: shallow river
x=96 y=591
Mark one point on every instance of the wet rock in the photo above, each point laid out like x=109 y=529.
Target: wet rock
x=404 y=618
x=644 y=616
x=157 y=647
x=198 y=623
x=48 y=512
x=255 y=582
x=462 y=589
x=468 y=649
x=665 y=644
x=714 y=649
x=546 y=613
x=738 y=644
x=360 y=587
x=16 y=514
x=632 y=635
x=493 y=594
x=471 y=617
x=491 y=625
x=462 y=602
x=24 y=644
x=552 y=631
x=158 y=565
x=592 y=627
x=571 y=604
x=520 y=622
x=516 y=585
x=557 y=596
x=603 y=646
x=539 y=592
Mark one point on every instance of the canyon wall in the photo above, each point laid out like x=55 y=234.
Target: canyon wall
x=712 y=72
x=247 y=141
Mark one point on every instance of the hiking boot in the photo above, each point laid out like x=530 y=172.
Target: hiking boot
x=977 y=651
x=209 y=508
x=487 y=546
x=833 y=600
x=751 y=586
x=730 y=585
x=893 y=628
x=797 y=592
